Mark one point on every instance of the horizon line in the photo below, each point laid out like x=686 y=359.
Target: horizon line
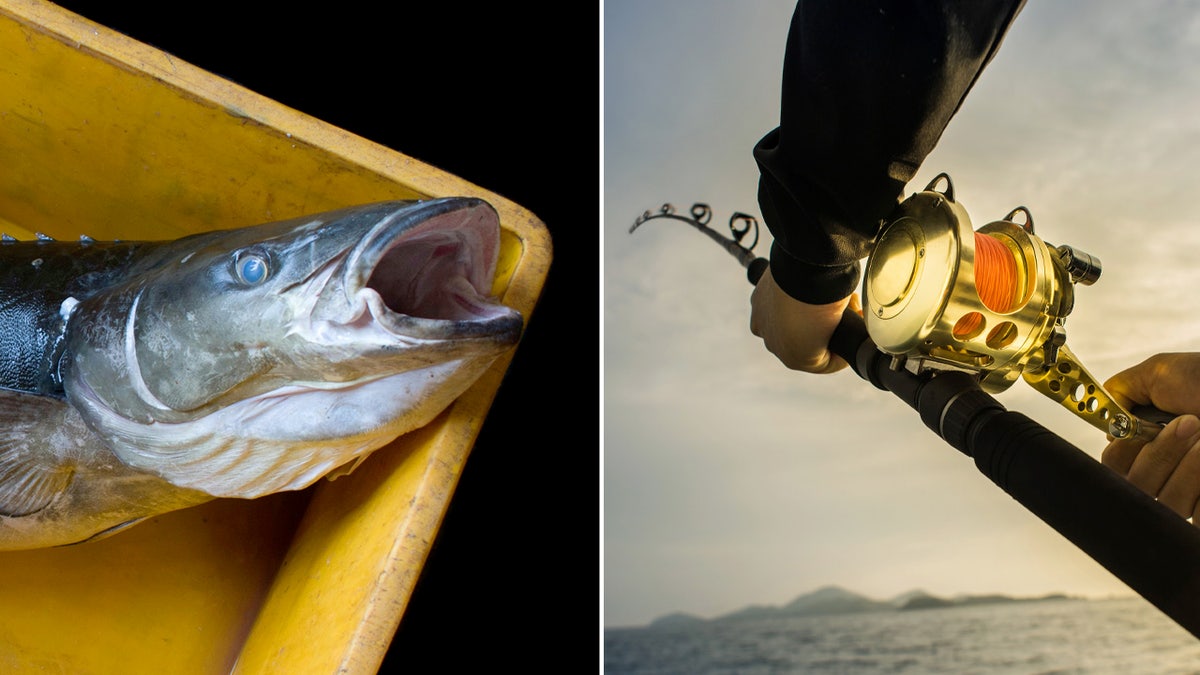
x=888 y=599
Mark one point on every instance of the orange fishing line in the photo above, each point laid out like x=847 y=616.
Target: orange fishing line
x=995 y=274
x=995 y=281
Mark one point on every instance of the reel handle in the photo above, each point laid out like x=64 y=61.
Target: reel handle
x=1148 y=413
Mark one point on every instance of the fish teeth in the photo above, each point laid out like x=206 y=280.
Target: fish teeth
x=43 y=237
x=84 y=239
x=7 y=238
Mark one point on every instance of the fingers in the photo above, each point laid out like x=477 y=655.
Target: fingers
x=1167 y=381
x=761 y=303
x=856 y=304
x=1167 y=468
x=1159 y=458
x=826 y=363
x=1119 y=455
x=796 y=333
x=1130 y=386
x=1182 y=489
x=756 y=301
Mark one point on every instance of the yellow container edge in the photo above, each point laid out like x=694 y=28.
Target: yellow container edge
x=362 y=647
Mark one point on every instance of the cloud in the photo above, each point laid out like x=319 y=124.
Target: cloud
x=730 y=480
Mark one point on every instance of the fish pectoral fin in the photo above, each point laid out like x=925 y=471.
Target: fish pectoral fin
x=27 y=487
x=108 y=532
x=345 y=469
x=31 y=475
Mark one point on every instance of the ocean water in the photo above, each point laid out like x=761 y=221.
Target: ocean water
x=1118 y=636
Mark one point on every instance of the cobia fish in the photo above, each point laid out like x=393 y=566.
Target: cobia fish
x=141 y=377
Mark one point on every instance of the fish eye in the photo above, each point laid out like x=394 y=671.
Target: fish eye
x=252 y=268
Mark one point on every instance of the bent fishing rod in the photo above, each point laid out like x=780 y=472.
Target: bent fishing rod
x=952 y=315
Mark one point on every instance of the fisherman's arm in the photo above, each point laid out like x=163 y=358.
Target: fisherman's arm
x=1167 y=468
x=867 y=92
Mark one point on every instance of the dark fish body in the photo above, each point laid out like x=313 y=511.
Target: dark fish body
x=35 y=279
x=142 y=377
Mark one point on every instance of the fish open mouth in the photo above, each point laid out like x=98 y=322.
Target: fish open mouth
x=427 y=273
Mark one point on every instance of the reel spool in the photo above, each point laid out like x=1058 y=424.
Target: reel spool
x=941 y=296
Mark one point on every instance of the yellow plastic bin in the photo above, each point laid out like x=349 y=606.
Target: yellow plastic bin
x=104 y=136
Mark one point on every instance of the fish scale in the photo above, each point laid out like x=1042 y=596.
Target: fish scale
x=36 y=277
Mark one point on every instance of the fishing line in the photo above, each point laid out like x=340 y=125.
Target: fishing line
x=997 y=282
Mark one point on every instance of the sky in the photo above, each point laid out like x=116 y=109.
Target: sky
x=729 y=480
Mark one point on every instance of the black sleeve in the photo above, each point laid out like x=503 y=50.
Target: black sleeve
x=868 y=89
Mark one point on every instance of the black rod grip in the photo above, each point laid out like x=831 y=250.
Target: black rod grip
x=849 y=337
x=756 y=268
x=1152 y=414
x=1142 y=542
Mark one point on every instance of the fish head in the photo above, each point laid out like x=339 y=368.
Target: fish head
x=361 y=322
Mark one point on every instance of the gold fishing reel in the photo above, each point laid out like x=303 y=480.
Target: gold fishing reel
x=941 y=296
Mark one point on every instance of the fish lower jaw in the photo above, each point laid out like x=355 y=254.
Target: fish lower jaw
x=289 y=438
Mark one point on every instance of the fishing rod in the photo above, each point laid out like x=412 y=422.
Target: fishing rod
x=740 y=224
x=952 y=315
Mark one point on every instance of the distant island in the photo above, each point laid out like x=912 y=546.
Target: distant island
x=831 y=600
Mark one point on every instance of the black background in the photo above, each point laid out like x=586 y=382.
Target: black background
x=506 y=96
